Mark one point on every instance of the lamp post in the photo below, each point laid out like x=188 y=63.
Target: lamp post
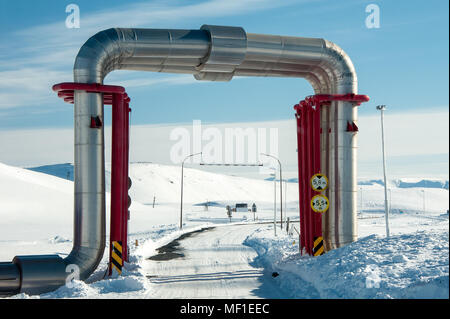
x=390 y=200
x=281 y=188
x=382 y=108
x=274 y=202
x=423 y=193
x=361 y=201
x=285 y=199
x=182 y=174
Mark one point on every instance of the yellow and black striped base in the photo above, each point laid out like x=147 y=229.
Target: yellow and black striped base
x=116 y=256
x=318 y=246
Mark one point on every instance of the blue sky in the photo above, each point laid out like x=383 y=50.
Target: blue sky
x=403 y=64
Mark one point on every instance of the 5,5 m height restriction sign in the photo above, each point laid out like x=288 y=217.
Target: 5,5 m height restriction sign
x=320 y=203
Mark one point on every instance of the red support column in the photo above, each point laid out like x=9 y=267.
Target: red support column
x=309 y=161
x=302 y=168
x=300 y=177
x=308 y=143
x=306 y=168
x=317 y=231
x=125 y=155
x=118 y=174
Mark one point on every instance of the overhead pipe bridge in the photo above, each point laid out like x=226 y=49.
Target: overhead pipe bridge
x=213 y=53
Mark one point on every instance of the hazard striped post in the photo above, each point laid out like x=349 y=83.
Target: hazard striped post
x=318 y=246
x=117 y=256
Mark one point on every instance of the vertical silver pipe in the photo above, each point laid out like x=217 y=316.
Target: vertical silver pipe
x=181 y=200
x=275 y=203
x=344 y=176
x=89 y=172
x=342 y=227
x=381 y=108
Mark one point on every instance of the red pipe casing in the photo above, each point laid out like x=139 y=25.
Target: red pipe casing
x=119 y=174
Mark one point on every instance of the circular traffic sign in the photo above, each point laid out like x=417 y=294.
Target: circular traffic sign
x=320 y=203
x=319 y=182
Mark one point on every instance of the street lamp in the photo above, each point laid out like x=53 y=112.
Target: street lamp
x=281 y=189
x=361 y=200
x=285 y=199
x=274 y=201
x=382 y=108
x=182 y=174
x=423 y=193
x=390 y=200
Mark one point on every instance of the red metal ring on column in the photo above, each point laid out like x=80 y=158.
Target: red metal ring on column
x=66 y=91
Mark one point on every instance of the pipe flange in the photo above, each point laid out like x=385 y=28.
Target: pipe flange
x=227 y=51
x=40 y=274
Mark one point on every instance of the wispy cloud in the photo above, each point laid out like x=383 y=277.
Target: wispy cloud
x=35 y=58
x=28 y=86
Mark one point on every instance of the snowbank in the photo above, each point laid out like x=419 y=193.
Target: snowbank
x=412 y=265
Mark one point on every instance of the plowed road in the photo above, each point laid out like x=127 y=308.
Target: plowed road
x=212 y=263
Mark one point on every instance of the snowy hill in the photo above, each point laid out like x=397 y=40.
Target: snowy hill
x=399 y=183
x=37 y=207
x=64 y=171
x=36 y=213
x=408 y=183
x=34 y=205
x=164 y=182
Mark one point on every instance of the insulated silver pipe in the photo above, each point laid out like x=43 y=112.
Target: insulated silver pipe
x=213 y=53
x=9 y=278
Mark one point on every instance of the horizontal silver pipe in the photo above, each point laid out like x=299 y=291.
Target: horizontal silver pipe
x=105 y=51
x=213 y=53
x=160 y=61
x=9 y=278
x=311 y=78
x=177 y=69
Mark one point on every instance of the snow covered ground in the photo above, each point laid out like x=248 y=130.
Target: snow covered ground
x=413 y=265
x=36 y=211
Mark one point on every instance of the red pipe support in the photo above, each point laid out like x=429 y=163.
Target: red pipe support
x=309 y=159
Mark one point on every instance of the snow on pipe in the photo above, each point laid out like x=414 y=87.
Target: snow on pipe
x=213 y=53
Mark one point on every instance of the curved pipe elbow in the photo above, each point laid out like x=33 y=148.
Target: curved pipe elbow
x=159 y=50
x=340 y=67
x=86 y=259
x=97 y=57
